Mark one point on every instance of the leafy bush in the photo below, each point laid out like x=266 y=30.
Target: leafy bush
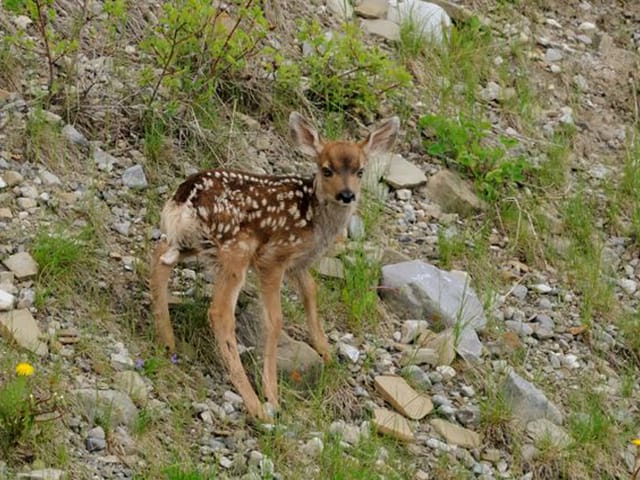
x=54 y=45
x=462 y=141
x=341 y=72
x=195 y=44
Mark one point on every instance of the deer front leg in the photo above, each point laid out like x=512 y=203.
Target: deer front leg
x=306 y=286
x=222 y=319
x=158 y=282
x=270 y=288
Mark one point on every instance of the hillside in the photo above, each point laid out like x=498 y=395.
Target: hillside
x=493 y=263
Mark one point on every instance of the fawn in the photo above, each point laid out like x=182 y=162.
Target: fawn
x=275 y=224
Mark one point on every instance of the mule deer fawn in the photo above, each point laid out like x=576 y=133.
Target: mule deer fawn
x=275 y=224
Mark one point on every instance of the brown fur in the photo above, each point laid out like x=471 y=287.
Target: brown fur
x=277 y=226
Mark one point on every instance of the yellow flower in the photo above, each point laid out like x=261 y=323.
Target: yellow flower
x=24 y=369
x=636 y=442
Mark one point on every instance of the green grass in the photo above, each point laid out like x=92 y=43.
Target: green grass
x=359 y=292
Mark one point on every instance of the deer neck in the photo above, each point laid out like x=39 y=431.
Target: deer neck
x=329 y=218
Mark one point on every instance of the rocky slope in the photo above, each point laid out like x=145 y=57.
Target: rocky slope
x=488 y=356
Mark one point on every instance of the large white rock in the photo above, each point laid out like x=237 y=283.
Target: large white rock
x=431 y=21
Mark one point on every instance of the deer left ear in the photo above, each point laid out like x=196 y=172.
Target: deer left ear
x=382 y=139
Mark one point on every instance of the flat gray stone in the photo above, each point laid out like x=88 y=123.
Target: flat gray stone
x=453 y=193
x=372 y=8
x=527 y=402
x=23 y=266
x=403 y=174
x=116 y=406
x=103 y=160
x=73 y=135
x=543 y=430
x=134 y=177
x=46 y=474
x=455 y=434
x=131 y=383
x=422 y=290
x=382 y=28
x=7 y=301
x=20 y=327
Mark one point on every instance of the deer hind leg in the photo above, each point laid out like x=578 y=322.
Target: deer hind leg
x=158 y=283
x=307 y=288
x=270 y=289
x=229 y=280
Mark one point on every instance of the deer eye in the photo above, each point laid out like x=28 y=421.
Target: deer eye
x=327 y=172
x=360 y=172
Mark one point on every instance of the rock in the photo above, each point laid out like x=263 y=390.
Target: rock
x=553 y=55
x=73 y=135
x=134 y=177
x=420 y=356
x=544 y=432
x=355 y=228
x=12 y=178
x=518 y=327
x=430 y=22
x=459 y=12
x=19 y=326
x=131 y=383
x=7 y=301
x=382 y=28
x=49 y=178
x=23 y=266
x=491 y=92
x=46 y=474
x=456 y=435
x=103 y=160
x=412 y=328
x=629 y=286
x=116 y=406
x=392 y=424
x=417 y=376
x=403 y=194
x=26 y=203
x=566 y=116
x=443 y=344
x=528 y=402
x=372 y=8
x=586 y=27
x=468 y=415
x=5 y=213
x=419 y=289
x=424 y=290
x=122 y=228
x=96 y=439
x=453 y=194
x=342 y=8
x=403 y=174
x=402 y=397
x=22 y=21
x=330 y=267
x=446 y=371
x=313 y=448
x=349 y=352
x=298 y=362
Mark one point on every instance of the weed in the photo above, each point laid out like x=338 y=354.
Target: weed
x=359 y=294
x=21 y=406
x=463 y=141
x=64 y=261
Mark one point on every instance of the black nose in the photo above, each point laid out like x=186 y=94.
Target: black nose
x=346 y=196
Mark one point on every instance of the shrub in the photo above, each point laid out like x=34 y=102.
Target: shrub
x=341 y=72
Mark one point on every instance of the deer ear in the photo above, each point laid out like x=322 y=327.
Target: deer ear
x=382 y=139
x=304 y=135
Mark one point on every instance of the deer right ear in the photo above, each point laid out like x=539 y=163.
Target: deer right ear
x=304 y=135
